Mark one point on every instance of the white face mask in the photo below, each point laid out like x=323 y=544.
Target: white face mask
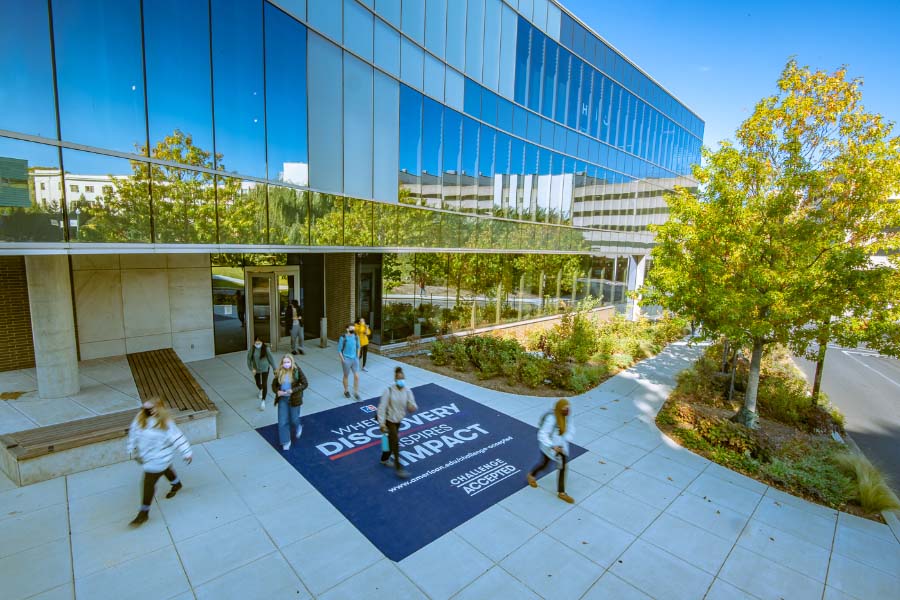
x=258 y=344
x=286 y=365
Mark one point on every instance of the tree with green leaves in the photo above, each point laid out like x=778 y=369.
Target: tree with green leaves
x=776 y=241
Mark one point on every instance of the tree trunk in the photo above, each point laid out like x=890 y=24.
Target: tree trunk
x=724 y=368
x=733 y=371
x=820 y=367
x=747 y=415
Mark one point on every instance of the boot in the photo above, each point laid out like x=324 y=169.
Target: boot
x=174 y=490
x=532 y=481
x=140 y=519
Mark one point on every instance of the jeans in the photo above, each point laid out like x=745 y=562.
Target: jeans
x=561 y=480
x=261 y=378
x=393 y=431
x=288 y=419
x=296 y=336
x=150 y=480
x=363 y=354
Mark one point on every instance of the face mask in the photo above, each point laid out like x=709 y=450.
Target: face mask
x=258 y=345
x=286 y=365
x=400 y=383
x=148 y=412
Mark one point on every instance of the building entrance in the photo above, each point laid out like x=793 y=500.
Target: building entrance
x=269 y=291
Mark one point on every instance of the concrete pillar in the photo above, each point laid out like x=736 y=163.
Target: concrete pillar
x=52 y=325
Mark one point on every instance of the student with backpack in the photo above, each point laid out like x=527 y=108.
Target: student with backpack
x=288 y=385
x=555 y=432
x=396 y=402
x=259 y=361
x=348 y=351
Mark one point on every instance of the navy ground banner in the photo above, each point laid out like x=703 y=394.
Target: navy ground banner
x=462 y=456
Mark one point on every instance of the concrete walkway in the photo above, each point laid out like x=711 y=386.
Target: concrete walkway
x=651 y=520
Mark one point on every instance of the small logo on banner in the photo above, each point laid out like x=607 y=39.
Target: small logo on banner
x=369 y=408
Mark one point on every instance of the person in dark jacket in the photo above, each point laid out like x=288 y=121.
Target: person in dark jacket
x=293 y=326
x=288 y=385
x=259 y=361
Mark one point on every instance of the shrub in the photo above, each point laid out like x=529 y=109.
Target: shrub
x=810 y=470
x=585 y=377
x=440 y=352
x=560 y=375
x=872 y=490
x=532 y=370
x=459 y=357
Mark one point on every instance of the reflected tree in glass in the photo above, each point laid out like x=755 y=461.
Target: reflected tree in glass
x=288 y=216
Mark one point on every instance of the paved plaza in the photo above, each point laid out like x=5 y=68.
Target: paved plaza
x=651 y=520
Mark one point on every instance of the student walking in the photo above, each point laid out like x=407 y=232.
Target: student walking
x=288 y=385
x=396 y=402
x=259 y=361
x=348 y=350
x=153 y=438
x=555 y=432
x=363 y=332
x=293 y=322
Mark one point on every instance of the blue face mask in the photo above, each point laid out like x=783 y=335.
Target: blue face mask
x=400 y=383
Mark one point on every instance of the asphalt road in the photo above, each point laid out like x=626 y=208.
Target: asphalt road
x=865 y=386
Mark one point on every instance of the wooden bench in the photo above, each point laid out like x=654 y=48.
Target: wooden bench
x=156 y=373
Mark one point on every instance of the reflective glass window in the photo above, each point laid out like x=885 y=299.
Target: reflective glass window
x=100 y=73
x=566 y=30
x=326 y=219
x=390 y=10
x=434 y=77
x=571 y=142
x=562 y=85
x=535 y=69
x=452 y=158
x=504 y=115
x=26 y=78
x=31 y=195
x=486 y=152
x=553 y=20
x=474 y=38
x=456 y=34
x=584 y=102
x=520 y=121
x=574 y=93
x=413 y=19
x=489 y=106
x=473 y=99
x=240 y=210
x=387 y=48
x=286 y=140
x=326 y=16
x=470 y=147
x=508 y=42
x=386 y=142
x=600 y=83
x=358 y=119
x=288 y=216
x=436 y=26
x=295 y=8
x=491 y=47
x=179 y=94
x=237 y=72
x=119 y=210
x=432 y=132
x=558 y=139
x=358 y=222
x=358 y=27
x=184 y=206
x=523 y=46
x=410 y=142
x=454 y=89
x=548 y=131
x=534 y=128
x=550 y=61
x=501 y=154
x=326 y=133
x=526 y=7
x=540 y=14
x=412 y=63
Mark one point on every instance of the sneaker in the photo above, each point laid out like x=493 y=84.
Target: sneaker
x=566 y=498
x=356 y=396
x=299 y=431
x=262 y=405
x=302 y=351
x=403 y=474
x=388 y=462
x=140 y=519
x=532 y=481
x=294 y=352
x=346 y=394
x=259 y=395
x=174 y=490
x=286 y=446
x=365 y=369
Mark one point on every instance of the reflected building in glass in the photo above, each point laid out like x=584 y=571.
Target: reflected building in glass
x=430 y=165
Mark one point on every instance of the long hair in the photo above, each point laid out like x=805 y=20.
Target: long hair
x=281 y=372
x=161 y=414
x=560 y=417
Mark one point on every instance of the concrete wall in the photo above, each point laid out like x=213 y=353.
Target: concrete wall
x=136 y=302
x=16 y=345
x=340 y=292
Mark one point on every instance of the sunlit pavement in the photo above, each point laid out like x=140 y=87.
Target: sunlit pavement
x=651 y=520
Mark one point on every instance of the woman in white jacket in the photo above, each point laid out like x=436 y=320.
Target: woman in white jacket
x=555 y=433
x=153 y=439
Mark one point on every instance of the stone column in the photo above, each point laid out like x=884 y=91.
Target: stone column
x=52 y=325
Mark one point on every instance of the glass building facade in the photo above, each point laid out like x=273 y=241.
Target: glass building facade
x=376 y=126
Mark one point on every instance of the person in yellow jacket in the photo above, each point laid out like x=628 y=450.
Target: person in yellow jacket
x=362 y=332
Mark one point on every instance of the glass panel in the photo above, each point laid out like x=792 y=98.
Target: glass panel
x=456 y=34
x=108 y=198
x=410 y=145
x=413 y=20
x=358 y=118
x=473 y=99
x=326 y=213
x=229 y=307
x=508 y=38
x=562 y=85
x=286 y=98
x=436 y=26
x=179 y=95
x=523 y=46
x=358 y=222
x=434 y=77
x=184 y=206
x=535 y=69
x=553 y=20
x=469 y=169
x=574 y=93
x=452 y=159
x=287 y=291
x=387 y=48
x=432 y=118
x=550 y=61
x=386 y=140
x=485 y=170
x=326 y=134
x=237 y=74
x=296 y=8
x=489 y=107
x=100 y=73
x=241 y=211
x=25 y=66
x=30 y=193
x=390 y=10
x=260 y=306
x=491 y=46
x=412 y=63
x=474 y=38
x=288 y=216
x=326 y=15
x=540 y=14
x=406 y=227
x=453 y=91
x=357 y=29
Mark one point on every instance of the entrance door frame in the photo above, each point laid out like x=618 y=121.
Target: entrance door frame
x=272 y=273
